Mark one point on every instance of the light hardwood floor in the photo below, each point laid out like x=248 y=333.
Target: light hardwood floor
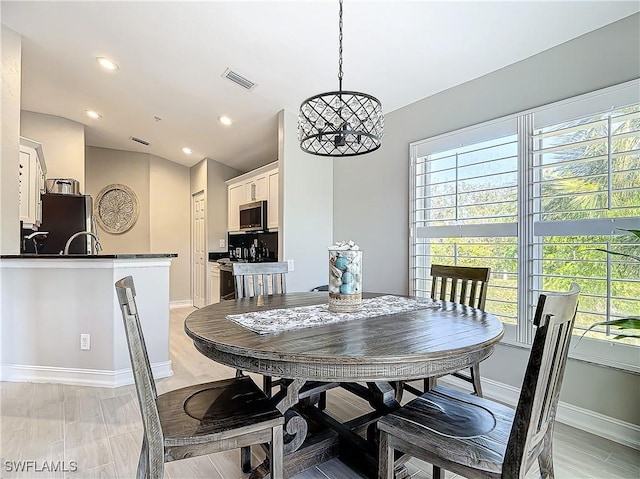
x=100 y=429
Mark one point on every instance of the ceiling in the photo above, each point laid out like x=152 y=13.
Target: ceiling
x=172 y=55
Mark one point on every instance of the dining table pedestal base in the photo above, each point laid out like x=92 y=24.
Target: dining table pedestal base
x=354 y=442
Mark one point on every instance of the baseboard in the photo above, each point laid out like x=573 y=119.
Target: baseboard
x=181 y=303
x=608 y=427
x=78 y=377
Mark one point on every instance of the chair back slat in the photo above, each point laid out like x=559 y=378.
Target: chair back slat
x=260 y=279
x=141 y=367
x=536 y=409
x=460 y=284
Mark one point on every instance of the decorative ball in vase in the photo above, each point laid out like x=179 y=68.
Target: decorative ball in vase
x=345 y=277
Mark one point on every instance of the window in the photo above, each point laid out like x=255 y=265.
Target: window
x=537 y=197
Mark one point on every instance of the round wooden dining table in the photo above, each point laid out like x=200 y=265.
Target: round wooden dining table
x=376 y=351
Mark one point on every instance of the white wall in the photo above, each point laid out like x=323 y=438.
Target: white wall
x=306 y=208
x=217 y=199
x=163 y=225
x=10 y=89
x=62 y=143
x=376 y=186
x=106 y=166
x=169 y=224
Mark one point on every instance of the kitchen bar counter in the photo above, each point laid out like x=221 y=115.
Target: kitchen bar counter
x=49 y=301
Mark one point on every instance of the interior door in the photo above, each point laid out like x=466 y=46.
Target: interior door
x=198 y=250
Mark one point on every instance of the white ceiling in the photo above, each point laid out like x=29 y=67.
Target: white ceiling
x=172 y=55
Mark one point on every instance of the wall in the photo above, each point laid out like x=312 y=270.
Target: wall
x=198 y=174
x=62 y=143
x=10 y=89
x=306 y=208
x=104 y=167
x=169 y=220
x=376 y=186
x=217 y=208
x=162 y=189
x=209 y=176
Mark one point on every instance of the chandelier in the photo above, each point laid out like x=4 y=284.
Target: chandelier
x=340 y=123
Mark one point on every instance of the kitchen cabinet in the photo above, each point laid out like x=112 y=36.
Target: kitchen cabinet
x=235 y=199
x=257 y=188
x=257 y=185
x=32 y=174
x=214 y=283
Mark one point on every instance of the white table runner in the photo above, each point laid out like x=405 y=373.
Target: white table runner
x=279 y=320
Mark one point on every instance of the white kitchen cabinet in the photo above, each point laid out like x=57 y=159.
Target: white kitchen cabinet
x=257 y=185
x=257 y=188
x=31 y=176
x=214 y=283
x=235 y=199
x=272 y=200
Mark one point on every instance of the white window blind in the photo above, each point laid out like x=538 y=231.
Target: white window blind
x=465 y=214
x=586 y=187
x=537 y=197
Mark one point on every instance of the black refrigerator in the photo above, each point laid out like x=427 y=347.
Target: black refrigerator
x=62 y=216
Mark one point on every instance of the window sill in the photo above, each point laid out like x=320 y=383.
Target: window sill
x=606 y=354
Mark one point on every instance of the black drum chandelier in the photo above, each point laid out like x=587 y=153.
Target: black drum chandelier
x=340 y=123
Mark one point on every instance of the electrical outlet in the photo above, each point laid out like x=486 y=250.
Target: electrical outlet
x=223 y=243
x=290 y=263
x=85 y=341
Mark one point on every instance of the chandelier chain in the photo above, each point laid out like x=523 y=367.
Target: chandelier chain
x=340 y=123
x=340 y=51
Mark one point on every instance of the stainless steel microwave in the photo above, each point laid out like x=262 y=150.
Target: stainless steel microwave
x=253 y=216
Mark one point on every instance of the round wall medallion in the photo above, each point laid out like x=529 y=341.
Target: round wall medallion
x=116 y=208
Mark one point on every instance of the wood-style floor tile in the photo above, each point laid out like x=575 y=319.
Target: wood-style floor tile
x=87 y=444
x=125 y=449
x=336 y=470
x=121 y=414
x=106 y=471
x=81 y=403
x=193 y=468
x=227 y=463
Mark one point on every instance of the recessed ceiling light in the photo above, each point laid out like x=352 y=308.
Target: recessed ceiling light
x=107 y=64
x=187 y=151
x=225 y=120
x=93 y=114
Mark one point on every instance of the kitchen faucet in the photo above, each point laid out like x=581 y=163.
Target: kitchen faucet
x=80 y=233
x=34 y=237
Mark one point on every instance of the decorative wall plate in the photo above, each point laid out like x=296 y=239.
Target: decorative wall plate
x=116 y=208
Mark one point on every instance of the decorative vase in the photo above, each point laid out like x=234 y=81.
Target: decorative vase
x=345 y=277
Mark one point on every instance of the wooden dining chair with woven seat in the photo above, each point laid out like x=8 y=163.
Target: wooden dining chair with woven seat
x=464 y=285
x=260 y=279
x=478 y=438
x=196 y=420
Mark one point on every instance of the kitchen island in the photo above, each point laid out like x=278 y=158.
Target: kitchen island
x=49 y=301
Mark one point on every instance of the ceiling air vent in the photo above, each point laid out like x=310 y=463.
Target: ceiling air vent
x=238 y=79
x=142 y=142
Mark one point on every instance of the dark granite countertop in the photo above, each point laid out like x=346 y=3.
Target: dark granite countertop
x=90 y=256
x=215 y=256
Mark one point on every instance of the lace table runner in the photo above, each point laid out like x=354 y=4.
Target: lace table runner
x=278 y=320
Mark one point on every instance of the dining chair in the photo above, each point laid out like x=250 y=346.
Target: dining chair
x=260 y=279
x=478 y=438
x=200 y=419
x=464 y=285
